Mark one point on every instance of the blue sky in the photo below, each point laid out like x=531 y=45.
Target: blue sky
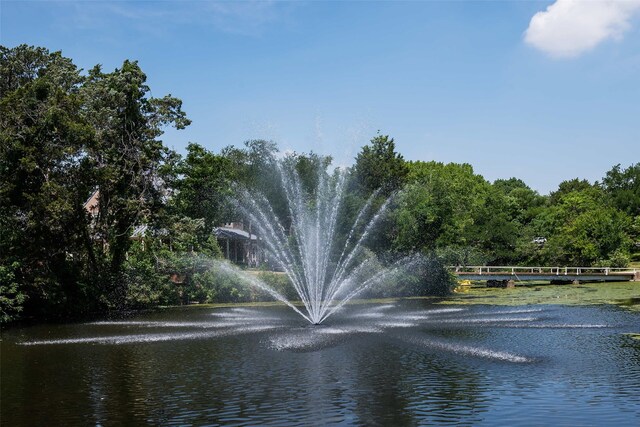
x=544 y=91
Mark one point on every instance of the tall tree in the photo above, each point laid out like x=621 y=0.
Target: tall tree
x=623 y=187
x=379 y=167
x=206 y=182
x=127 y=157
x=42 y=158
x=452 y=193
x=379 y=171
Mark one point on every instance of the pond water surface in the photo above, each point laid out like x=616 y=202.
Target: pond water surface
x=403 y=363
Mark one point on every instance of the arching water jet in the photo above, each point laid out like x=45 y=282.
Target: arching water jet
x=325 y=269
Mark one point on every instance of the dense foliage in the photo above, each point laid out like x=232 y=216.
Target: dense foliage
x=66 y=136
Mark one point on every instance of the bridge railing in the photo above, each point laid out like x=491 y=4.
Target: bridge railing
x=558 y=271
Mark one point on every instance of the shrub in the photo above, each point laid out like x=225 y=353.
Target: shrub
x=11 y=297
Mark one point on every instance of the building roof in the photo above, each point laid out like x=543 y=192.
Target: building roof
x=91 y=205
x=233 y=233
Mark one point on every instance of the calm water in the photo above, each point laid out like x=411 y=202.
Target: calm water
x=405 y=363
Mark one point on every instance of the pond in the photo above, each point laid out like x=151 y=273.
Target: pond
x=407 y=362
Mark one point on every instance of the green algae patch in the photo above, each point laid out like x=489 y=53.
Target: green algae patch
x=623 y=294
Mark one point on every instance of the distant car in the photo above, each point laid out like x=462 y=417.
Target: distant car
x=540 y=240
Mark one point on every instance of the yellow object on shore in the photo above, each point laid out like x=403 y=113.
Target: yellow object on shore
x=463 y=286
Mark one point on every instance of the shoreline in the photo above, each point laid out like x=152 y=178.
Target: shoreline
x=622 y=294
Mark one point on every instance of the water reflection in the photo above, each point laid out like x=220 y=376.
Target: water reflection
x=401 y=364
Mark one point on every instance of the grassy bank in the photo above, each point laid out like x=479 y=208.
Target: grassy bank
x=623 y=294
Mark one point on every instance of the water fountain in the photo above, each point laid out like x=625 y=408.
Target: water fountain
x=325 y=273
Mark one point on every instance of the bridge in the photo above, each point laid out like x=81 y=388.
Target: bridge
x=509 y=275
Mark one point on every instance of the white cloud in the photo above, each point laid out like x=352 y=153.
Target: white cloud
x=569 y=28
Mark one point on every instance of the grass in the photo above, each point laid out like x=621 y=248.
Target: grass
x=623 y=294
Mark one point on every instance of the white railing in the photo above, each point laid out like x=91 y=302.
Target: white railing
x=558 y=271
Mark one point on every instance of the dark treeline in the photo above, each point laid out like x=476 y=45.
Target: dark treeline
x=68 y=135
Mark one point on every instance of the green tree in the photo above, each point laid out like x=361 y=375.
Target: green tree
x=42 y=161
x=309 y=168
x=204 y=186
x=127 y=158
x=492 y=230
x=182 y=251
x=569 y=186
x=256 y=170
x=379 y=167
x=22 y=65
x=522 y=206
x=523 y=203
x=623 y=187
x=422 y=215
x=63 y=135
x=254 y=164
x=378 y=172
x=583 y=229
x=438 y=205
x=11 y=296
